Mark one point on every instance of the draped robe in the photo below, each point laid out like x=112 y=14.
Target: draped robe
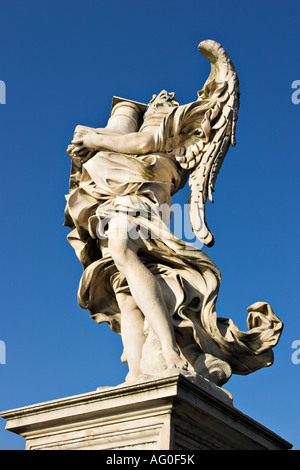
x=114 y=184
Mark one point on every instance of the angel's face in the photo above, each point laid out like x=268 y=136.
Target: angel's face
x=162 y=104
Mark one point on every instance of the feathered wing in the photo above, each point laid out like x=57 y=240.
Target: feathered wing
x=209 y=124
x=219 y=127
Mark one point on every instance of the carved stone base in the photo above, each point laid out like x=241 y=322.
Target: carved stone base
x=171 y=413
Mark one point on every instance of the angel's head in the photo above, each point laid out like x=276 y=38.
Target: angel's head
x=163 y=100
x=159 y=106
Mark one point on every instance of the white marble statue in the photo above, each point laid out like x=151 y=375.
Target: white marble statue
x=155 y=290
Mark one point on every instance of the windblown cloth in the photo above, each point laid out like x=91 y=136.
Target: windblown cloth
x=137 y=186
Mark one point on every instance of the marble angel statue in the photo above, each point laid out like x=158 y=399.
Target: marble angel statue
x=155 y=290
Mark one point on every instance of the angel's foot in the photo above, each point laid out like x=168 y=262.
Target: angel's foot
x=132 y=376
x=174 y=361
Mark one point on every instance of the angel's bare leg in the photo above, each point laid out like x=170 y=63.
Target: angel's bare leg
x=132 y=331
x=147 y=295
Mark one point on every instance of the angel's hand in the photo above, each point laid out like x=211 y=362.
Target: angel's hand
x=90 y=140
x=192 y=156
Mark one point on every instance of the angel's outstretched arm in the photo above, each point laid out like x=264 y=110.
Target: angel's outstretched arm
x=139 y=143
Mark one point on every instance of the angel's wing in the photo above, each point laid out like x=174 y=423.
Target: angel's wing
x=218 y=133
x=209 y=124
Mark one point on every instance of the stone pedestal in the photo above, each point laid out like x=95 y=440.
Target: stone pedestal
x=166 y=414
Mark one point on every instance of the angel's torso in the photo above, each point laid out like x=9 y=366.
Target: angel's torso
x=116 y=174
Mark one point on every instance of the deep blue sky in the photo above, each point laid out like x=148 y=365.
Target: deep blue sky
x=62 y=62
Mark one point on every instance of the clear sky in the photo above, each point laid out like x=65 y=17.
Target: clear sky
x=62 y=61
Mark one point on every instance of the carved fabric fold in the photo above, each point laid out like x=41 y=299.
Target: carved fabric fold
x=137 y=186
